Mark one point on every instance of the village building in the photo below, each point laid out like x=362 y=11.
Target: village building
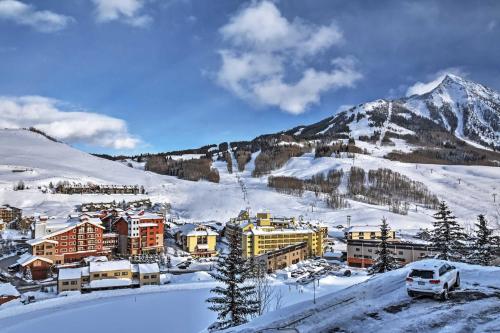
x=367 y=232
x=363 y=253
x=9 y=213
x=110 y=242
x=8 y=293
x=283 y=257
x=264 y=234
x=105 y=275
x=140 y=233
x=3 y=225
x=68 y=241
x=36 y=267
x=197 y=239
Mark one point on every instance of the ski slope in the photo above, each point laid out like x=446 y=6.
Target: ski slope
x=46 y=161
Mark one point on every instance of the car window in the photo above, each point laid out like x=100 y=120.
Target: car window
x=442 y=270
x=422 y=274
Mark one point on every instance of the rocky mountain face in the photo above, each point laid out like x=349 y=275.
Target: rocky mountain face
x=468 y=111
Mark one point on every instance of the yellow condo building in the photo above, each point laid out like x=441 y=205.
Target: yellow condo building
x=264 y=233
x=197 y=239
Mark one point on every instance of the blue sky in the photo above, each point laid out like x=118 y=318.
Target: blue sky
x=127 y=76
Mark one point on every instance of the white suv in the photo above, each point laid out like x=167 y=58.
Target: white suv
x=432 y=277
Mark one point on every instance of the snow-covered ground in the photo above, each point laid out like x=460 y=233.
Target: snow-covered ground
x=381 y=304
x=179 y=307
x=46 y=161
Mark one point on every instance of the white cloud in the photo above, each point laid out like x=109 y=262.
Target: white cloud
x=261 y=47
x=294 y=98
x=420 y=88
x=41 y=20
x=127 y=11
x=49 y=116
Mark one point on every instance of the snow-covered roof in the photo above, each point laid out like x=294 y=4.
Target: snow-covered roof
x=149 y=268
x=262 y=231
x=85 y=271
x=6 y=289
x=40 y=240
x=364 y=228
x=194 y=229
x=69 y=274
x=109 y=266
x=95 y=259
x=26 y=260
x=56 y=228
x=104 y=283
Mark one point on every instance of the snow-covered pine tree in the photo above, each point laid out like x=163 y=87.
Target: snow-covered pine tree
x=233 y=300
x=448 y=236
x=483 y=247
x=385 y=261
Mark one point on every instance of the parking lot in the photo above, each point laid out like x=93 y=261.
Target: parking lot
x=314 y=269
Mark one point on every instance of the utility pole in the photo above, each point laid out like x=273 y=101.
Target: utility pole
x=459 y=181
x=494 y=197
x=348 y=221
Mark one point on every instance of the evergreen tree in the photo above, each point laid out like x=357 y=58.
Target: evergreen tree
x=385 y=261
x=447 y=237
x=483 y=247
x=233 y=301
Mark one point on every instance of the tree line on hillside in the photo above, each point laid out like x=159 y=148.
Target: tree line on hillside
x=379 y=187
x=337 y=149
x=386 y=187
x=193 y=169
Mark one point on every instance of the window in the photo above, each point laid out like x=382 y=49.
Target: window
x=104 y=274
x=422 y=274
x=370 y=250
x=153 y=276
x=124 y=273
x=146 y=277
x=357 y=249
x=117 y=274
x=96 y=275
x=64 y=250
x=65 y=283
x=73 y=282
x=64 y=237
x=400 y=253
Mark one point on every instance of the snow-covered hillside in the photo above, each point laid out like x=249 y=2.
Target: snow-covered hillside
x=43 y=161
x=381 y=304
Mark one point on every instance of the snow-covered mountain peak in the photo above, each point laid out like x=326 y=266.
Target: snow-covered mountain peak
x=465 y=108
